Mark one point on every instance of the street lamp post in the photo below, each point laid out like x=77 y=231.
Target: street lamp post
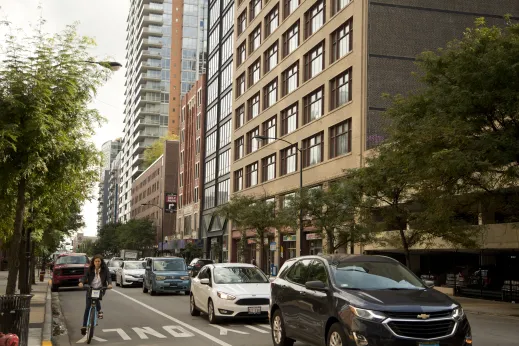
x=300 y=183
x=162 y=225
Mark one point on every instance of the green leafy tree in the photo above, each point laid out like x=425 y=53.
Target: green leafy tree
x=332 y=212
x=154 y=151
x=258 y=214
x=107 y=243
x=191 y=251
x=88 y=246
x=137 y=234
x=45 y=89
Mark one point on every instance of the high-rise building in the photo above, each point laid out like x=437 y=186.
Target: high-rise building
x=218 y=128
x=109 y=150
x=191 y=142
x=114 y=183
x=310 y=76
x=148 y=51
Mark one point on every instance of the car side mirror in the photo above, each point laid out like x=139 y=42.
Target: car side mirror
x=204 y=281
x=316 y=286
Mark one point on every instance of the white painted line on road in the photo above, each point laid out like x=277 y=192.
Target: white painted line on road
x=266 y=326
x=121 y=333
x=183 y=324
x=178 y=331
x=84 y=339
x=224 y=331
x=257 y=329
x=141 y=332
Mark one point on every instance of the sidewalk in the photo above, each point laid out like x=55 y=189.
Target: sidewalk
x=40 y=320
x=488 y=307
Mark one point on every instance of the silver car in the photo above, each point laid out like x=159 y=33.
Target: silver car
x=130 y=273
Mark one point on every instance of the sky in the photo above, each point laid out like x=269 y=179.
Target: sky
x=103 y=20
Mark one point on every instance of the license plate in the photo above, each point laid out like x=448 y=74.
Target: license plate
x=428 y=344
x=255 y=310
x=95 y=293
x=173 y=284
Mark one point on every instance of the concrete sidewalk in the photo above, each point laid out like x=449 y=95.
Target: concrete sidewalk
x=40 y=320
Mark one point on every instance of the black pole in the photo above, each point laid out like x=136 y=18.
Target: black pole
x=162 y=241
x=300 y=201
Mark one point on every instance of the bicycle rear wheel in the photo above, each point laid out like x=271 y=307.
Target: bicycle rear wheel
x=91 y=324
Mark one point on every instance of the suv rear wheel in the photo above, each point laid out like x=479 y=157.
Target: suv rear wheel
x=278 y=330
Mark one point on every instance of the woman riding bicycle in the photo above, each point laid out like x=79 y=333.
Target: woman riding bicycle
x=97 y=276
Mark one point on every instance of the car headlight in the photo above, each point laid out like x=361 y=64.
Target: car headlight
x=369 y=315
x=458 y=313
x=160 y=278
x=184 y=278
x=225 y=296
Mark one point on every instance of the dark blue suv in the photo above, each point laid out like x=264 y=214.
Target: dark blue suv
x=361 y=300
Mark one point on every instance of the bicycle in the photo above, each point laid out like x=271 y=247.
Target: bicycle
x=95 y=295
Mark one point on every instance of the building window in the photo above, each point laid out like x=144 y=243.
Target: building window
x=314 y=61
x=313 y=148
x=342 y=41
x=226 y=77
x=210 y=170
x=340 y=89
x=340 y=139
x=238 y=180
x=289 y=159
x=290 y=7
x=313 y=106
x=210 y=144
x=225 y=134
x=254 y=72
x=198 y=121
x=238 y=148
x=197 y=170
x=255 y=39
x=227 y=20
x=268 y=169
x=240 y=116
x=240 y=85
x=289 y=119
x=251 y=175
x=223 y=191
x=270 y=94
x=269 y=129
x=214 y=12
x=224 y=162
x=180 y=179
x=225 y=105
x=338 y=5
x=197 y=145
x=242 y=22
x=252 y=143
x=254 y=106
x=314 y=18
x=255 y=8
x=199 y=97
x=271 y=57
x=209 y=197
x=290 y=79
x=195 y=195
x=240 y=58
x=291 y=39
x=272 y=21
x=212 y=118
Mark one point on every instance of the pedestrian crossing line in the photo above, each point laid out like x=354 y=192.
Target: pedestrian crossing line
x=259 y=330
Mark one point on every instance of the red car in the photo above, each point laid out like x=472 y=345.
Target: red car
x=68 y=269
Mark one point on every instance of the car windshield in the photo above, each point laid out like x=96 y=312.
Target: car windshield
x=134 y=265
x=169 y=265
x=239 y=275
x=72 y=260
x=375 y=276
x=115 y=264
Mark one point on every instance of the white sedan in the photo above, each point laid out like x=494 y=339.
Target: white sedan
x=130 y=273
x=230 y=290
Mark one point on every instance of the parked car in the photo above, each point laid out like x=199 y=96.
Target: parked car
x=114 y=264
x=130 y=273
x=197 y=264
x=68 y=269
x=166 y=275
x=227 y=290
x=361 y=300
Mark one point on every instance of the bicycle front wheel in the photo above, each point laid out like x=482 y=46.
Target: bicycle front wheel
x=91 y=324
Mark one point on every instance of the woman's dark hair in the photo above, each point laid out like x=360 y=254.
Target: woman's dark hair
x=103 y=264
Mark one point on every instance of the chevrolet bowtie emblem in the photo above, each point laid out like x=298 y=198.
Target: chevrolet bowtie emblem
x=423 y=316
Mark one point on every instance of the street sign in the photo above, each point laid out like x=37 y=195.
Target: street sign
x=171 y=202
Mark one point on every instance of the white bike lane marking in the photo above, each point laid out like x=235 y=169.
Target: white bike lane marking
x=183 y=324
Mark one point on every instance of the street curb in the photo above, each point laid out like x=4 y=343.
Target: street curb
x=62 y=339
x=47 y=324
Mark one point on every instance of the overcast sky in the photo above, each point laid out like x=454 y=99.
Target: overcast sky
x=104 y=20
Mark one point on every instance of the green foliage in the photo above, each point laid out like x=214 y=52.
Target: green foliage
x=153 y=152
x=191 y=251
x=88 y=247
x=136 y=234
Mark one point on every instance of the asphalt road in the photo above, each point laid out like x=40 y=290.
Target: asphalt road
x=137 y=319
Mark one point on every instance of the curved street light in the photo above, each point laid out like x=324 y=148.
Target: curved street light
x=162 y=224
x=300 y=182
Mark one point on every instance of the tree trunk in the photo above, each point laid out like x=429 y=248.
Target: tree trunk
x=329 y=243
x=405 y=245
x=16 y=238
x=33 y=266
x=22 y=284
